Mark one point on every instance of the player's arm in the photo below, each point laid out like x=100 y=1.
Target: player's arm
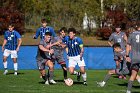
x=125 y=38
x=128 y=48
x=3 y=45
x=36 y=34
x=19 y=44
x=110 y=39
x=19 y=41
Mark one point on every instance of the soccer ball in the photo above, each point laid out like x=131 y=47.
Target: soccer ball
x=69 y=82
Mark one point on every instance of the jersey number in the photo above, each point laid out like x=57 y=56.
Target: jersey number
x=137 y=38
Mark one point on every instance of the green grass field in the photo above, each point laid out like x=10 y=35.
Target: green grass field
x=28 y=81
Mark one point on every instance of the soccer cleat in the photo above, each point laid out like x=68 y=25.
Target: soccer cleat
x=120 y=77
x=78 y=76
x=52 y=81
x=46 y=82
x=101 y=84
x=128 y=91
x=15 y=73
x=85 y=83
x=5 y=72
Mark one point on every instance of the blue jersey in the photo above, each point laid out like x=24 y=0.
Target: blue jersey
x=73 y=46
x=42 y=30
x=11 y=37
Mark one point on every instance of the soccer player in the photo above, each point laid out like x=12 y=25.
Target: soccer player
x=59 y=50
x=10 y=46
x=124 y=66
x=75 y=53
x=44 y=59
x=118 y=37
x=43 y=29
x=134 y=46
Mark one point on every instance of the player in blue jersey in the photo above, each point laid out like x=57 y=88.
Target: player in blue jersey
x=10 y=46
x=43 y=29
x=75 y=53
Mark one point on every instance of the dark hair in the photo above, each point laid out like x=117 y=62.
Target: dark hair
x=63 y=29
x=72 y=30
x=12 y=25
x=118 y=26
x=48 y=34
x=116 y=45
x=44 y=20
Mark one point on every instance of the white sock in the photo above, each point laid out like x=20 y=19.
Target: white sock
x=75 y=72
x=84 y=76
x=138 y=80
x=103 y=82
x=15 y=66
x=5 y=65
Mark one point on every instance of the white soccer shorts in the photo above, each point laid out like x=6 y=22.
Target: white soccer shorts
x=12 y=52
x=73 y=61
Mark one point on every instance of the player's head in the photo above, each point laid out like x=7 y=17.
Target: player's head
x=138 y=26
x=63 y=31
x=47 y=36
x=117 y=47
x=71 y=32
x=118 y=28
x=11 y=27
x=44 y=22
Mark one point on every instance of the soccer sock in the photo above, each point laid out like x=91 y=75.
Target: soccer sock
x=45 y=77
x=129 y=86
x=107 y=77
x=51 y=75
x=84 y=76
x=5 y=65
x=15 y=66
x=75 y=73
x=138 y=80
x=64 y=70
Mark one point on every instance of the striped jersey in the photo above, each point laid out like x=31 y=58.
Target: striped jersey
x=42 y=30
x=11 y=37
x=73 y=46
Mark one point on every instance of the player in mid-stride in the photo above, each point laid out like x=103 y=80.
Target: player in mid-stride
x=75 y=54
x=133 y=46
x=10 y=46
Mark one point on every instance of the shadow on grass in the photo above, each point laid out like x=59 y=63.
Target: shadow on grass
x=13 y=73
x=125 y=84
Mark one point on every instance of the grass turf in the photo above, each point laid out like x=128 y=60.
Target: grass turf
x=28 y=81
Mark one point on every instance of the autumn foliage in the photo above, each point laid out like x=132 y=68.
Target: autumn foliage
x=11 y=15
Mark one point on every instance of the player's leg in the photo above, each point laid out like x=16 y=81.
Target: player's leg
x=138 y=78
x=64 y=70
x=133 y=76
x=62 y=62
x=41 y=67
x=5 y=55
x=72 y=65
x=106 y=78
x=50 y=64
x=84 y=75
x=14 y=57
x=81 y=64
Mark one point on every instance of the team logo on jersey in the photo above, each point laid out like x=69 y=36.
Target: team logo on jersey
x=12 y=35
x=75 y=43
x=47 y=30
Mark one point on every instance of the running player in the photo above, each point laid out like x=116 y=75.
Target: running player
x=124 y=66
x=42 y=30
x=59 y=50
x=75 y=53
x=44 y=59
x=118 y=37
x=10 y=46
x=134 y=45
